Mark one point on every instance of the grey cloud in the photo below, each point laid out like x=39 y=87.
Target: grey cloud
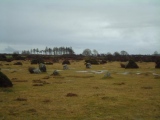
x=105 y=25
x=9 y=49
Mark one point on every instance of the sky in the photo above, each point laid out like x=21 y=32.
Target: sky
x=103 y=25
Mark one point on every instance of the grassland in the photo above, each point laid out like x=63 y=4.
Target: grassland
x=80 y=93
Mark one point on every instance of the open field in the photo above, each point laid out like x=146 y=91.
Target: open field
x=80 y=93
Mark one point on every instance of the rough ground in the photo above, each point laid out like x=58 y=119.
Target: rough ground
x=80 y=93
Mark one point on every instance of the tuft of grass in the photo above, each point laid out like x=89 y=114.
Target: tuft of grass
x=16 y=80
x=46 y=77
x=58 y=77
x=32 y=110
x=71 y=95
x=105 y=78
x=7 y=90
x=95 y=87
x=38 y=84
x=80 y=76
x=109 y=98
x=46 y=101
x=156 y=77
x=21 y=99
x=121 y=83
x=147 y=87
x=40 y=81
x=59 y=82
x=146 y=74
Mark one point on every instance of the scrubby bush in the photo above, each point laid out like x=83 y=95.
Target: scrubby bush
x=9 y=60
x=48 y=63
x=34 y=61
x=66 y=62
x=18 y=63
x=102 y=61
x=37 y=61
x=2 y=57
x=92 y=61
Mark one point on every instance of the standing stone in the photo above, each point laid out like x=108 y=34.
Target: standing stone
x=37 y=70
x=107 y=75
x=131 y=64
x=42 y=67
x=55 y=73
x=5 y=81
x=88 y=65
x=65 y=67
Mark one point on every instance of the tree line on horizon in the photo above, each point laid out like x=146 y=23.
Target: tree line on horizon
x=70 y=51
x=50 y=51
x=67 y=50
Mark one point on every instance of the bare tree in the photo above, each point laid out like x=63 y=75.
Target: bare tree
x=124 y=52
x=87 y=52
x=155 y=53
x=95 y=52
x=70 y=50
x=54 y=51
x=50 y=51
x=34 y=50
x=116 y=54
x=46 y=50
x=31 y=51
x=37 y=50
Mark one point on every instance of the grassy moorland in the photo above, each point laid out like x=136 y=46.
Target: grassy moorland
x=80 y=93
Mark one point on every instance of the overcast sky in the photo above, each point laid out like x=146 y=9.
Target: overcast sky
x=104 y=25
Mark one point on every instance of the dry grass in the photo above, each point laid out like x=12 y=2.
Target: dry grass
x=81 y=96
